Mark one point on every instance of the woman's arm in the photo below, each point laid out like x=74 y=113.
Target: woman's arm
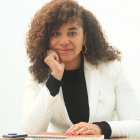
x=127 y=106
x=38 y=102
x=38 y=106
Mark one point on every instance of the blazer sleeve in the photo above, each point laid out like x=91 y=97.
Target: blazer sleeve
x=38 y=106
x=127 y=106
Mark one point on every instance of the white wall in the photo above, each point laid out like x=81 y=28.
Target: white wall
x=119 y=18
x=12 y=63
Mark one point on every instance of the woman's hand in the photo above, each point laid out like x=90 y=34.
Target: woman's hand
x=53 y=61
x=83 y=128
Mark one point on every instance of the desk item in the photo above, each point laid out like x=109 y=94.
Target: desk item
x=14 y=135
x=62 y=136
x=19 y=138
x=45 y=136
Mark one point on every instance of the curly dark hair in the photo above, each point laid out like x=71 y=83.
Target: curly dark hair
x=51 y=16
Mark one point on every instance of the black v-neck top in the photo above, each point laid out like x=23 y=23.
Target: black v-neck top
x=75 y=95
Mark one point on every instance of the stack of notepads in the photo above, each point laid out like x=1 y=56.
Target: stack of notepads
x=62 y=136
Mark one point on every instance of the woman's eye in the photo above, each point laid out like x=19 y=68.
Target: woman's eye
x=56 y=34
x=72 y=33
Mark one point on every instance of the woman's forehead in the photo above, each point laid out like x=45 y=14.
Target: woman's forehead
x=70 y=25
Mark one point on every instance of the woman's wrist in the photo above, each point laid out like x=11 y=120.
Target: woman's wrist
x=53 y=85
x=105 y=128
x=57 y=75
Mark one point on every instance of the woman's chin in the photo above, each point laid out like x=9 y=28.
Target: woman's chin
x=65 y=59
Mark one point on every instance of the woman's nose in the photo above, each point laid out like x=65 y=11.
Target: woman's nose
x=64 y=40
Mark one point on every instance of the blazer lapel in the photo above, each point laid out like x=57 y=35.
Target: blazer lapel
x=62 y=109
x=92 y=76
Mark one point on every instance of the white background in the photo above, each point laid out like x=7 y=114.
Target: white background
x=119 y=18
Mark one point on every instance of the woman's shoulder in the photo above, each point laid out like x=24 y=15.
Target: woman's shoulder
x=111 y=64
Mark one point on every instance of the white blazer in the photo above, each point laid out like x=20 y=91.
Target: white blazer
x=111 y=98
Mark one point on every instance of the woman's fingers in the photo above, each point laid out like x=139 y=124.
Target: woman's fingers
x=84 y=129
x=53 y=61
x=52 y=55
x=77 y=129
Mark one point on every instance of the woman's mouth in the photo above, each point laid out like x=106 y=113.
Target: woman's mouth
x=64 y=51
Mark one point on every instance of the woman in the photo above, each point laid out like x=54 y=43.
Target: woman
x=76 y=82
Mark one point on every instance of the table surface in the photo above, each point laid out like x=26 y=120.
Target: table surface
x=109 y=139
x=125 y=138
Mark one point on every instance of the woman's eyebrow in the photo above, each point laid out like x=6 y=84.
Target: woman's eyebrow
x=73 y=28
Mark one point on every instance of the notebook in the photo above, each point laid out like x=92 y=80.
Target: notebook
x=63 y=136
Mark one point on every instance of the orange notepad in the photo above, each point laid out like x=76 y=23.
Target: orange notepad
x=60 y=136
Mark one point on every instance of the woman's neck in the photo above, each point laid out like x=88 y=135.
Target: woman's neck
x=74 y=64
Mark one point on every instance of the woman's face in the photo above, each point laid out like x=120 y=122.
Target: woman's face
x=67 y=41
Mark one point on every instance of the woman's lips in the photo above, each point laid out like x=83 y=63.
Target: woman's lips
x=64 y=51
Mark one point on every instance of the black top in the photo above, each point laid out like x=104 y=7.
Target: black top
x=75 y=97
